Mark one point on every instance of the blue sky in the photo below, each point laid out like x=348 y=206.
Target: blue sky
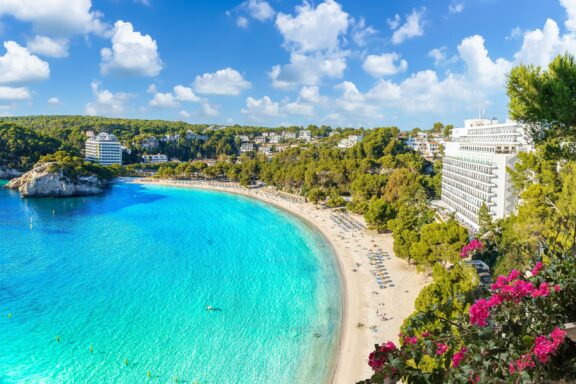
x=277 y=62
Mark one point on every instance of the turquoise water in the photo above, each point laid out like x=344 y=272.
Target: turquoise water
x=130 y=274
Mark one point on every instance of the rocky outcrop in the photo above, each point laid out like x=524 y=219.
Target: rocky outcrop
x=49 y=180
x=9 y=173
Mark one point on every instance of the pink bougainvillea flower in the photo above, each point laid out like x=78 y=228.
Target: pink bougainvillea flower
x=458 y=357
x=441 y=349
x=537 y=268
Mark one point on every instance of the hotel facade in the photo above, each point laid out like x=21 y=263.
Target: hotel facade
x=474 y=168
x=104 y=149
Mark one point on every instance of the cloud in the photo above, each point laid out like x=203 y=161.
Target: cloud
x=540 y=46
x=261 y=109
x=46 y=46
x=164 y=100
x=226 y=81
x=481 y=70
x=413 y=27
x=570 y=7
x=361 y=33
x=54 y=101
x=259 y=9
x=307 y=70
x=185 y=114
x=385 y=64
x=107 y=103
x=456 y=8
x=209 y=110
x=394 y=23
x=314 y=29
x=242 y=22
x=311 y=94
x=60 y=18
x=353 y=102
x=14 y=93
x=143 y=2
x=182 y=93
x=18 y=66
x=132 y=54
x=172 y=99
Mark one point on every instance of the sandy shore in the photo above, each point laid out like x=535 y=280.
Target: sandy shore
x=371 y=314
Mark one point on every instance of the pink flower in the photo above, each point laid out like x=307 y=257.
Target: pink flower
x=558 y=335
x=425 y=334
x=543 y=348
x=388 y=347
x=537 y=268
x=479 y=313
x=513 y=275
x=525 y=361
x=557 y=288
x=375 y=361
x=458 y=357
x=410 y=340
x=441 y=349
x=495 y=300
x=511 y=368
x=471 y=247
x=543 y=290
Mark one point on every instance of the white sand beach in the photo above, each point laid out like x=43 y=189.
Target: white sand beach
x=372 y=311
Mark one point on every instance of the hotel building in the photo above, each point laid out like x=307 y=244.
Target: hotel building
x=104 y=149
x=474 y=168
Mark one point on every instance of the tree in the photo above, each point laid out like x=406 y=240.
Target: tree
x=315 y=195
x=438 y=127
x=439 y=242
x=544 y=100
x=448 y=130
x=378 y=214
x=484 y=219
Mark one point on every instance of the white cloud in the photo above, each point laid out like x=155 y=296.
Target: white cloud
x=540 y=46
x=185 y=114
x=413 y=27
x=172 y=99
x=14 y=93
x=46 y=46
x=314 y=29
x=165 y=100
x=55 y=17
x=54 y=101
x=456 y=8
x=570 y=6
x=361 y=33
x=209 y=110
x=261 y=109
x=242 y=22
x=143 y=2
x=259 y=9
x=394 y=23
x=18 y=66
x=182 y=93
x=311 y=94
x=307 y=70
x=107 y=103
x=385 y=64
x=480 y=68
x=132 y=53
x=353 y=102
x=297 y=108
x=226 y=81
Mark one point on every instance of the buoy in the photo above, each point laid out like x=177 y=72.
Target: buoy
x=125 y=361
x=148 y=374
x=91 y=349
x=57 y=338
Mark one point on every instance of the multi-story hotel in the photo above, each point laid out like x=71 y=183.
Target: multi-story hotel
x=104 y=149
x=474 y=169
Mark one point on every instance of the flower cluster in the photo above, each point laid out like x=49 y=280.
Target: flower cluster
x=508 y=289
x=458 y=357
x=441 y=348
x=378 y=358
x=471 y=247
x=544 y=346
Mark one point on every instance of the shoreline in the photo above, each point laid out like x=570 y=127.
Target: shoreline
x=379 y=311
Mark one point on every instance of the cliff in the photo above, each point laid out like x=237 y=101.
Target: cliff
x=49 y=180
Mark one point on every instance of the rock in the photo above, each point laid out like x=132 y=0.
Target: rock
x=48 y=180
x=9 y=173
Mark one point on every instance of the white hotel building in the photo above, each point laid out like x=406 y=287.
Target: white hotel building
x=474 y=168
x=104 y=149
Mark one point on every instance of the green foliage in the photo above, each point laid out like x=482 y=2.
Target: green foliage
x=75 y=167
x=485 y=221
x=544 y=99
x=316 y=195
x=378 y=214
x=439 y=242
x=21 y=148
